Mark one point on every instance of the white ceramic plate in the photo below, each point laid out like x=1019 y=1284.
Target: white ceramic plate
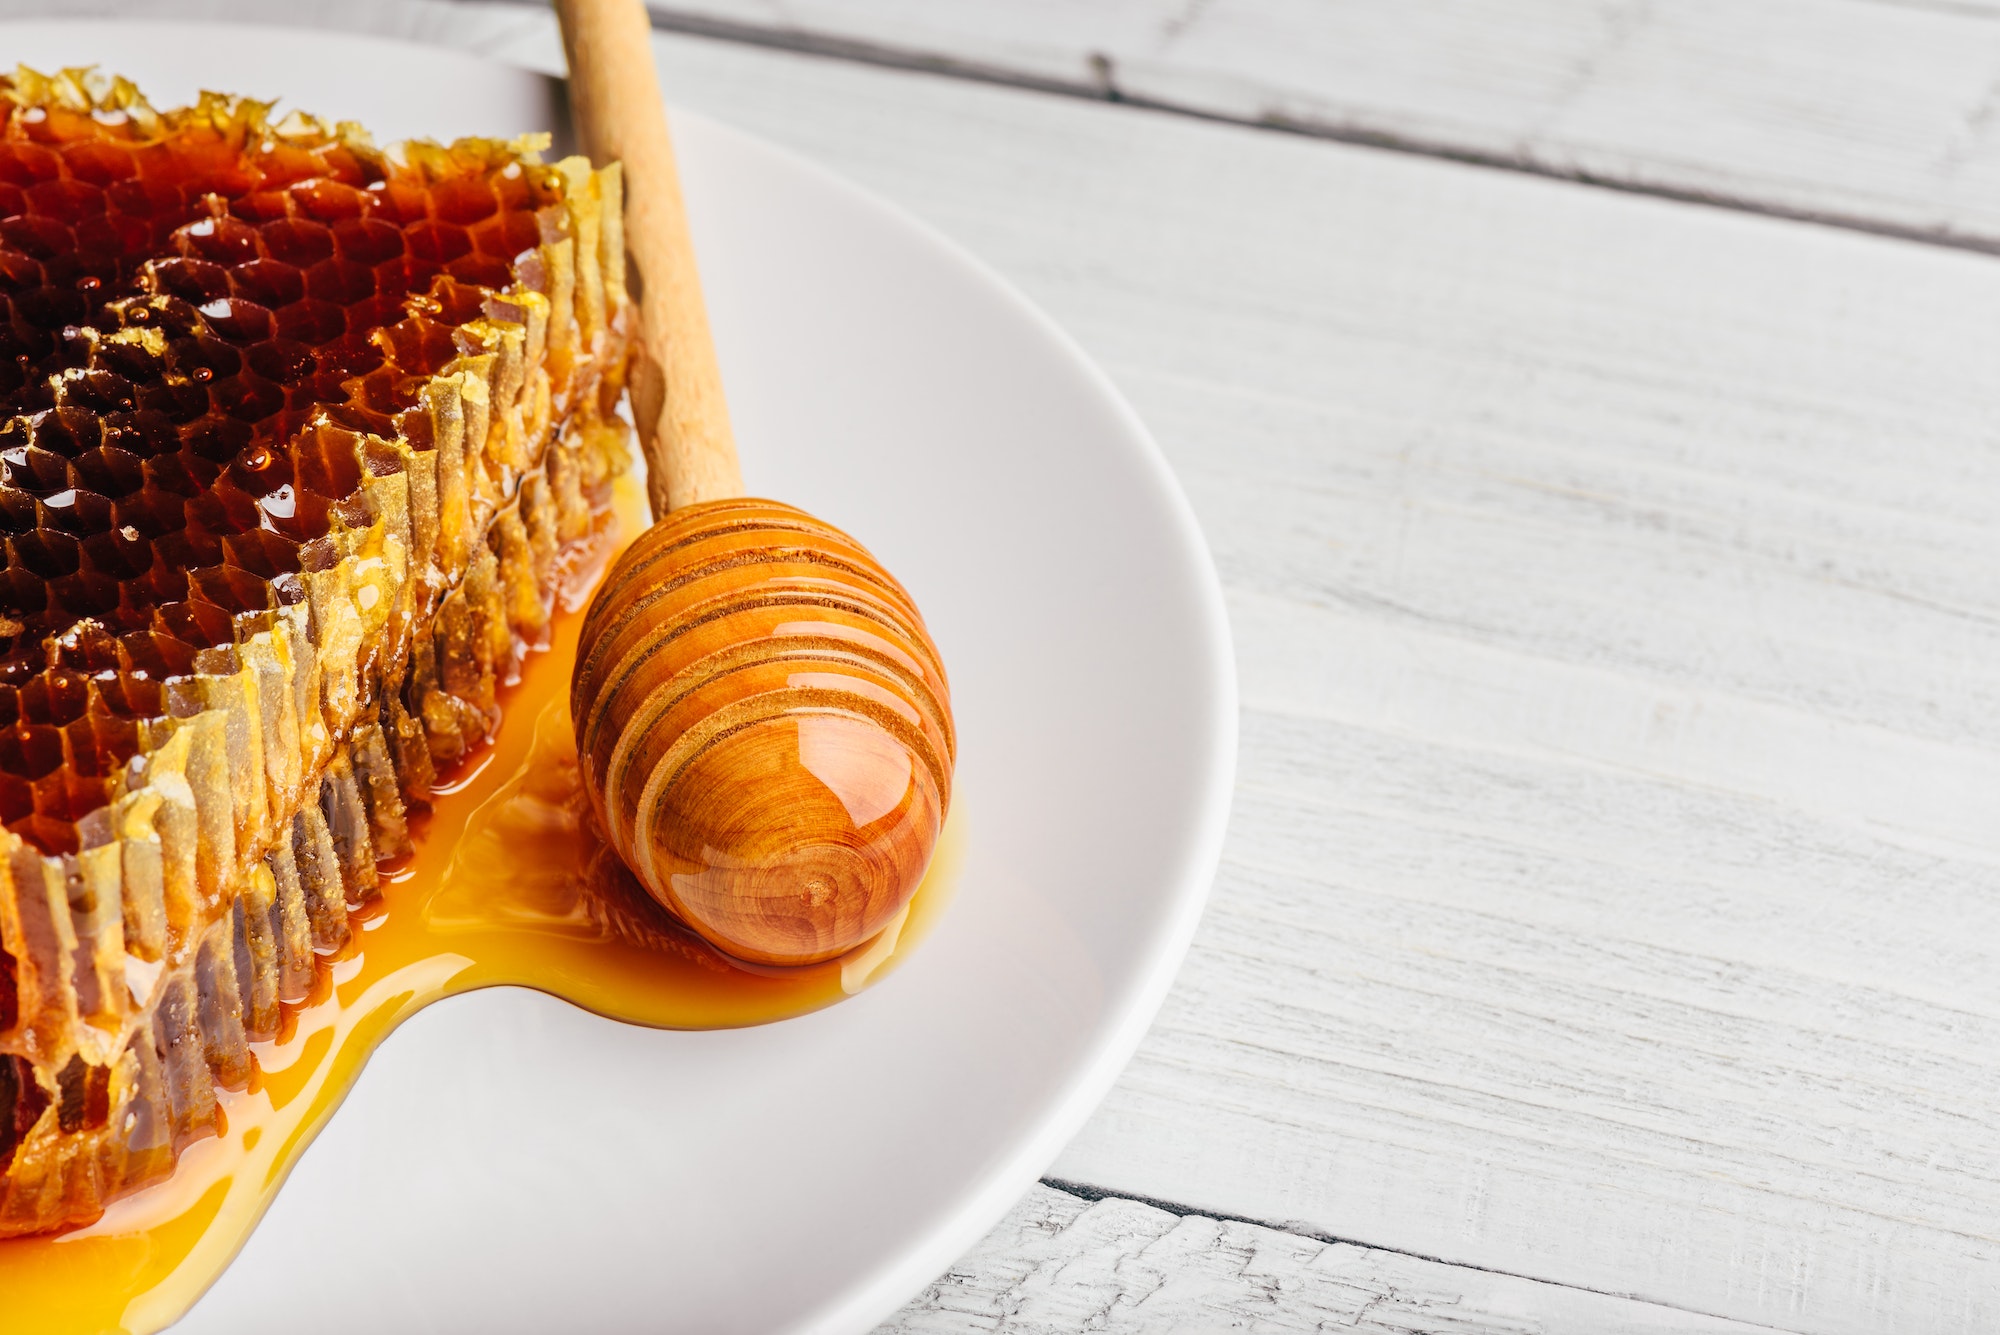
x=508 y=1163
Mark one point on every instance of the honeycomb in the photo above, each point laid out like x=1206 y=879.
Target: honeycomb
x=297 y=440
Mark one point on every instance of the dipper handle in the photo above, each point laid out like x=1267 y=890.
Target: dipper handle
x=763 y=725
x=677 y=397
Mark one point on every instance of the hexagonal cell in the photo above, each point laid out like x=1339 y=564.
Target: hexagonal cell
x=193 y=330
x=22 y=1098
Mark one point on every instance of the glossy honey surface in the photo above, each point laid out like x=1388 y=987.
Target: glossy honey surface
x=509 y=885
x=766 y=729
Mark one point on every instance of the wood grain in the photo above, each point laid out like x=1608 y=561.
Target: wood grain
x=677 y=398
x=1610 y=899
x=762 y=721
x=1060 y=1264
x=1876 y=112
x=1611 y=895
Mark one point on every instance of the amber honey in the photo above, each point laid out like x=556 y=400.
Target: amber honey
x=297 y=440
x=508 y=886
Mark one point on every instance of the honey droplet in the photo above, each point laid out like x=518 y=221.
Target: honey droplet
x=260 y=459
x=202 y=375
x=89 y=284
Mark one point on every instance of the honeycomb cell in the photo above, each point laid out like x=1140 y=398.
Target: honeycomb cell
x=110 y=470
x=52 y=306
x=367 y=240
x=56 y=696
x=44 y=553
x=224 y=240
x=111 y=553
x=155 y=655
x=284 y=361
x=465 y=199
x=28 y=164
x=484 y=270
x=96 y=744
x=230 y=588
x=338 y=281
x=35 y=469
x=83 y=593
x=300 y=242
x=65 y=199
x=90 y=649
x=97 y=162
x=40 y=238
x=31 y=750
x=98 y=391
x=438 y=243
x=192 y=280
x=177 y=308
x=507 y=236
x=239 y=320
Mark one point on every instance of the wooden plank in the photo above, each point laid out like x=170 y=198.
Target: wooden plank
x=1876 y=112
x=1611 y=897
x=1060 y=1264
x=516 y=33
x=1872 y=113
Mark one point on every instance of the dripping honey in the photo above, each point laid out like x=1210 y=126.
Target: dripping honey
x=507 y=887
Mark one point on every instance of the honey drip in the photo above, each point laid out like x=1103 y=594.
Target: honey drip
x=508 y=886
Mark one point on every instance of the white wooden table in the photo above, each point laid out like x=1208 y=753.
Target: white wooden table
x=1609 y=935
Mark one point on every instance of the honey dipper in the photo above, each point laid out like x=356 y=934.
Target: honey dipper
x=763 y=726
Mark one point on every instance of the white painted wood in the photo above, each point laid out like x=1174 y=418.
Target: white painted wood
x=1613 y=898
x=1059 y=1264
x=524 y=35
x=1876 y=110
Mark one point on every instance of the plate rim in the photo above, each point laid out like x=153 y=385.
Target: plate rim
x=874 y=1298
x=902 y=1275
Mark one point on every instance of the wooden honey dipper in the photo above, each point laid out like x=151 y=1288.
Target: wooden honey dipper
x=763 y=726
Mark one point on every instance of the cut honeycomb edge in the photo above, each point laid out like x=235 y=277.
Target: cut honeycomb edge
x=210 y=888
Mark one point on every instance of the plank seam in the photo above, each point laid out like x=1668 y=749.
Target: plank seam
x=1103 y=88
x=1084 y=1191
